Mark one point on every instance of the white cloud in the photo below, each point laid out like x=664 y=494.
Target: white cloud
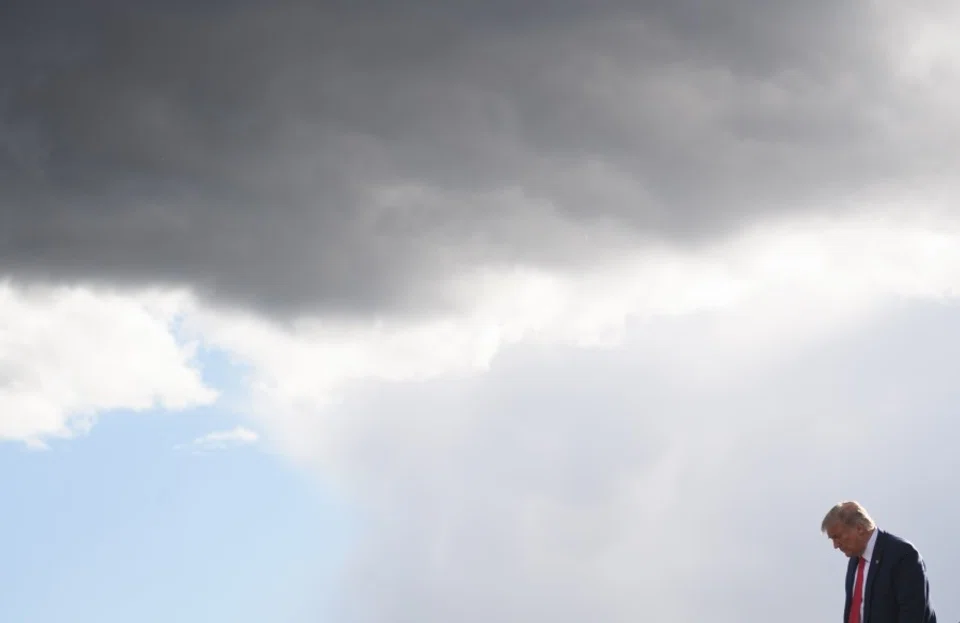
x=569 y=485
x=774 y=287
x=653 y=436
x=222 y=440
x=504 y=471
x=780 y=285
x=727 y=396
x=68 y=354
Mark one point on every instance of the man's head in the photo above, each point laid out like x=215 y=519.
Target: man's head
x=849 y=527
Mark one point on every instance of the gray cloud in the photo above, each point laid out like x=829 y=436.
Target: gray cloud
x=248 y=150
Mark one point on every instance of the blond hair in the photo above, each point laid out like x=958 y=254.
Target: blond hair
x=848 y=513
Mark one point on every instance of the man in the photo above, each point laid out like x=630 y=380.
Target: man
x=886 y=577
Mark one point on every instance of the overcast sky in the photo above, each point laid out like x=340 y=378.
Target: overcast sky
x=567 y=311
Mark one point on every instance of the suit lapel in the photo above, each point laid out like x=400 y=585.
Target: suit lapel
x=872 y=576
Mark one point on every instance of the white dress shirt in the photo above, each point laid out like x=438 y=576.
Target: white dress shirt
x=868 y=557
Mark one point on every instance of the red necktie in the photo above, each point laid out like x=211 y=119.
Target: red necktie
x=857 y=594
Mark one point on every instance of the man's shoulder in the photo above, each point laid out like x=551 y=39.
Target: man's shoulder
x=896 y=545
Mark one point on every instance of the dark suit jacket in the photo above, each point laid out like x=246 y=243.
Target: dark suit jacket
x=897 y=590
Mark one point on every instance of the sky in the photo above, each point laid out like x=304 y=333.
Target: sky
x=450 y=311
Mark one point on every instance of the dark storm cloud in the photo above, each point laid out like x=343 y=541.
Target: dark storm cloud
x=243 y=148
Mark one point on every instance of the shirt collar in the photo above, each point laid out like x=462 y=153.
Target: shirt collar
x=868 y=552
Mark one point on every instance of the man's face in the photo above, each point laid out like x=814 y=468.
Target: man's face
x=851 y=540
